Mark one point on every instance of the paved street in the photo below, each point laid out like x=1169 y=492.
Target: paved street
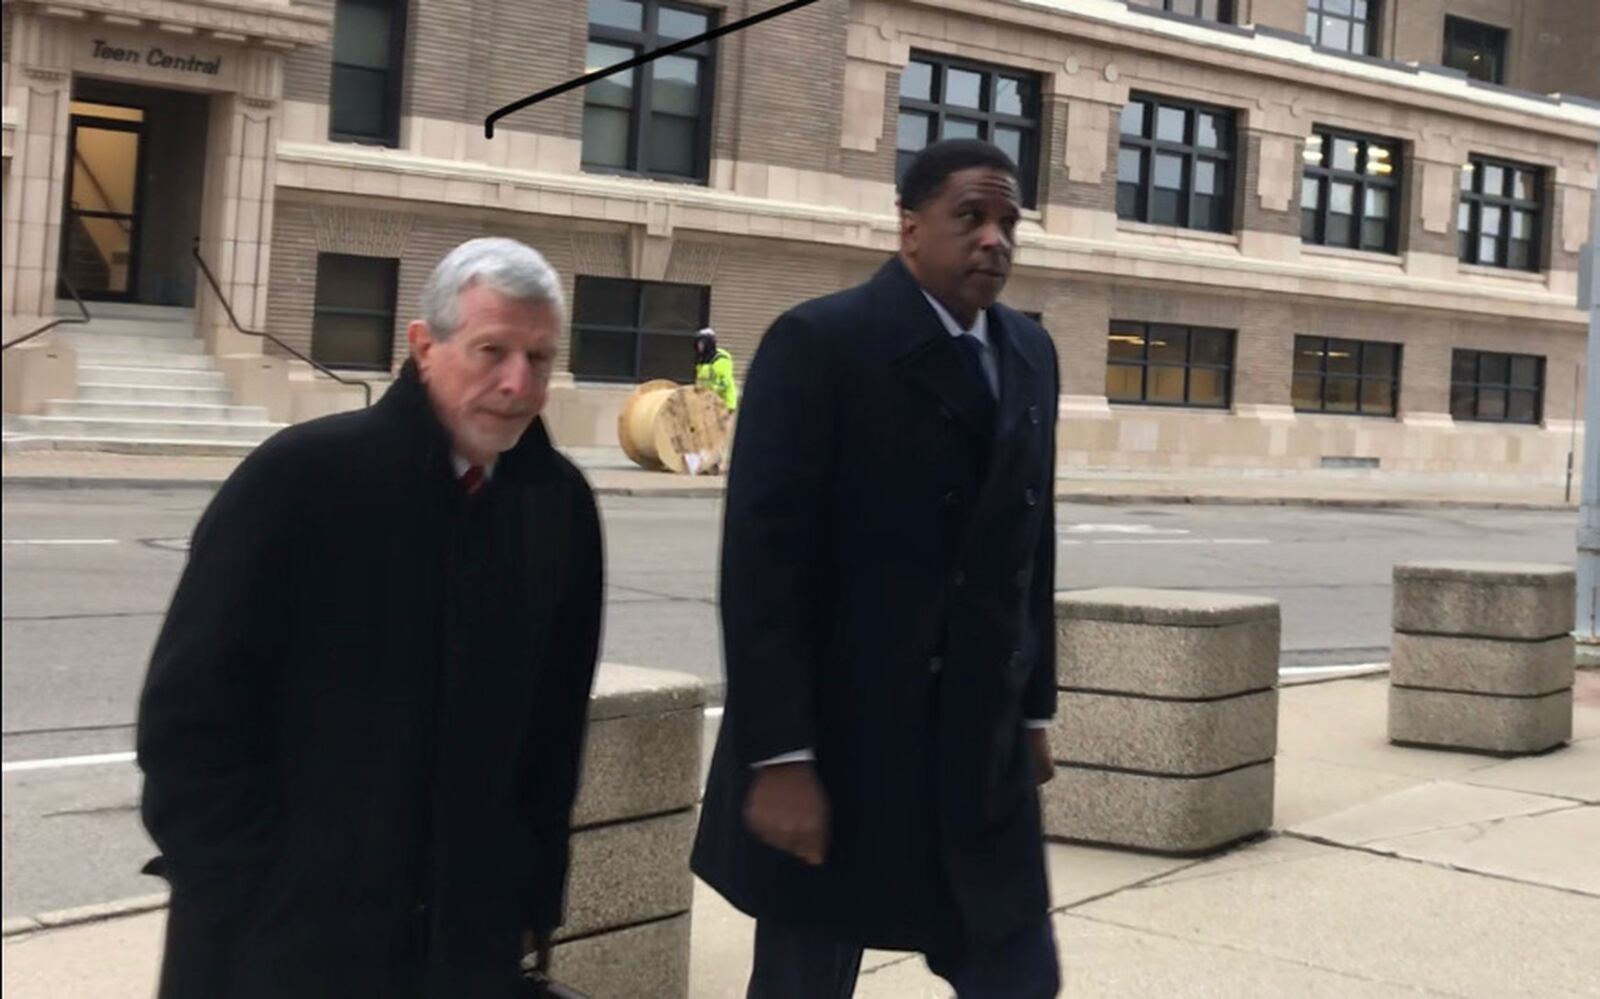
x=87 y=575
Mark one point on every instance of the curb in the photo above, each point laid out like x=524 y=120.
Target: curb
x=113 y=482
x=80 y=915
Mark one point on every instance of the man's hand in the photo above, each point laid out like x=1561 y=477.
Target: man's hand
x=536 y=943
x=1044 y=765
x=787 y=809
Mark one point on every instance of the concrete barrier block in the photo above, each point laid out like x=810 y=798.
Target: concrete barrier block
x=1174 y=815
x=649 y=960
x=1165 y=737
x=1485 y=599
x=1483 y=665
x=1166 y=643
x=629 y=873
x=1480 y=722
x=639 y=765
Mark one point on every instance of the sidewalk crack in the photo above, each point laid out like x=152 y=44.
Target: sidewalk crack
x=1443 y=866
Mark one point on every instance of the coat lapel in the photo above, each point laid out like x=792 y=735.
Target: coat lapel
x=921 y=348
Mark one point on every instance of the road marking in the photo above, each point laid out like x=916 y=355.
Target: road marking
x=61 y=762
x=1180 y=541
x=1123 y=529
x=63 y=541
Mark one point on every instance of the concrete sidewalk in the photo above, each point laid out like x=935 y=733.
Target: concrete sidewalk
x=1390 y=872
x=612 y=474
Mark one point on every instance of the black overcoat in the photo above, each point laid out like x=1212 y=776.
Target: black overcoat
x=887 y=600
x=361 y=728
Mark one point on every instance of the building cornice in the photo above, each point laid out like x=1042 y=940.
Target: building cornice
x=273 y=25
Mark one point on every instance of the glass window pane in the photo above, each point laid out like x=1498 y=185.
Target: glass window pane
x=1494 y=369
x=1491 y=404
x=912 y=133
x=607 y=354
x=1469 y=174
x=672 y=307
x=1208 y=131
x=1208 y=387
x=671 y=145
x=1336 y=33
x=1310 y=193
x=1342 y=198
x=1008 y=96
x=679 y=24
x=1521 y=225
x=1308 y=354
x=1378 y=359
x=1308 y=225
x=600 y=301
x=1307 y=392
x=1189 y=8
x=1463 y=366
x=628 y=14
x=1463 y=399
x=1130 y=165
x=1210 y=347
x=1380 y=160
x=962 y=87
x=1124 y=383
x=916 y=81
x=1205 y=177
x=675 y=85
x=1523 y=407
x=1488 y=250
x=1525 y=372
x=1126 y=343
x=1523 y=186
x=959 y=128
x=605 y=136
x=1489 y=220
x=1133 y=118
x=1494 y=179
x=360 y=102
x=1337 y=7
x=1519 y=254
x=1341 y=357
x=1166 y=198
x=352 y=341
x=1164 y=384
x=1377 y=203
x=1168 y=171
x=1127 y=201
x=1344 y=154
x=355 y=282
x=361 y=35
x=1313 y=22
x=1168 y=344
x=1171 y=124
x=1359 y=41
x=1360 y=9
x=1009 y=140
x=1463 y=217
x=1341 y=395
x=1313 y=152
x=615 y=90
x=1377 y=397
x=666 y=356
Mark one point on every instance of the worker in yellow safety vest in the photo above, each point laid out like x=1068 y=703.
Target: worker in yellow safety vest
x=713 y=369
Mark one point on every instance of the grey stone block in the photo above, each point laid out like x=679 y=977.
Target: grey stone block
x=624 y=691
x=1479 y=722
x=1483 y=665
x=642 y=764
x=1140 y=605
x=1167 y=660
x=650 y=960
x=1485 y=599
x=1165 y=737
x=628 y=873
x=1174 y=815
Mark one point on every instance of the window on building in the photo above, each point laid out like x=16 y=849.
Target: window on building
x=352 y=323
x=631 y=331
x=1206 y=10
x=1169 y=365
x=1346 y=25
x=944 y=98
x=1175 y=164
x=1350 y=195
x=655 y=119
x=364 y=91
x=1498 y=216
x=1479 y=50
x=1346 y=376
x=1498 y=388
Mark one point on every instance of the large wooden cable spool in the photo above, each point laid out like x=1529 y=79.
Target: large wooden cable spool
x=665 y=426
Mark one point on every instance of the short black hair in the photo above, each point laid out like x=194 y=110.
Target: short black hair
x=934 y=165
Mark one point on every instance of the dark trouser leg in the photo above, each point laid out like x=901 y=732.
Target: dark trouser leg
x=1022 y=966
x=799 y=964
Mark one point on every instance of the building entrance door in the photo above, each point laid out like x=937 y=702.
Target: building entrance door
x=100 y=234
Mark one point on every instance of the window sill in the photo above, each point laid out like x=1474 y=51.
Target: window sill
x=1341 y=415
x=1169 y=407
x=1505 y=273
x=1175 y=232
x=1345 y=253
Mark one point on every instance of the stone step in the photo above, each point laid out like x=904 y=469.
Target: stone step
x=182 y=329
x=94 y=357
x=134 y=392
x=128 y=310
x=18 y=443
x=179 y=412
x=80 y=428
x=97 y=372
x=83 y=340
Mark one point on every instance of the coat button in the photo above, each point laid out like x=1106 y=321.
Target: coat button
x=951 y=499
x=935 y=664
x=1030 y=497
x=1033 y=415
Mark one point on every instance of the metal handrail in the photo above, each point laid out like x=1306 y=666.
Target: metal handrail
x=211 y=279
x=58 y=321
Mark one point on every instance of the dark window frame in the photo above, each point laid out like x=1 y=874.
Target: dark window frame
x=1479 y=386
x=1225 y=9
x=388 y=134
x=987 y=119
x=645 y=40
x=1318 y=10
x=1468 y=36
x=1226 y=153
x=637 y=329
x=1302 y=343
x=1325 y=175
x=393 y=293
x=1469 y=240
x=1189 y=365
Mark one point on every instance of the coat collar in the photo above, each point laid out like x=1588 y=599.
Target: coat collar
x=407 y=407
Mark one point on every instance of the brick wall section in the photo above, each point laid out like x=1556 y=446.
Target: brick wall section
x=1261 y=355
x=1077 y=313
x=291 y=289
x=1055 y=187
x=1248 y=211
x=878 y=165
x=1414 y=236
x=306 y=70
x=1553 y=227
x=780 y=93
x=5 y=34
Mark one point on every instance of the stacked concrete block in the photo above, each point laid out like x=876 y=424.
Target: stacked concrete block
x=1167 y=719
x=1483 y=656
x=629 y=889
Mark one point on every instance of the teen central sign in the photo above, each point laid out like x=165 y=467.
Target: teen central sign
x=158 y=57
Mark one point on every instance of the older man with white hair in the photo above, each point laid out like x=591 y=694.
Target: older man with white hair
x=361 y=728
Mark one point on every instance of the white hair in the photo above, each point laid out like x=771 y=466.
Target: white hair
x=513 y=269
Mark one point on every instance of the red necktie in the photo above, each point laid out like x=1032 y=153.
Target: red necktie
x=472 y=479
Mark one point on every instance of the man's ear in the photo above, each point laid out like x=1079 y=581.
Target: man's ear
x=421 y=343
x=908 y=230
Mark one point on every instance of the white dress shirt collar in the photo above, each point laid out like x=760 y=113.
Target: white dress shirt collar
x=980 y=326
x=461 y=465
